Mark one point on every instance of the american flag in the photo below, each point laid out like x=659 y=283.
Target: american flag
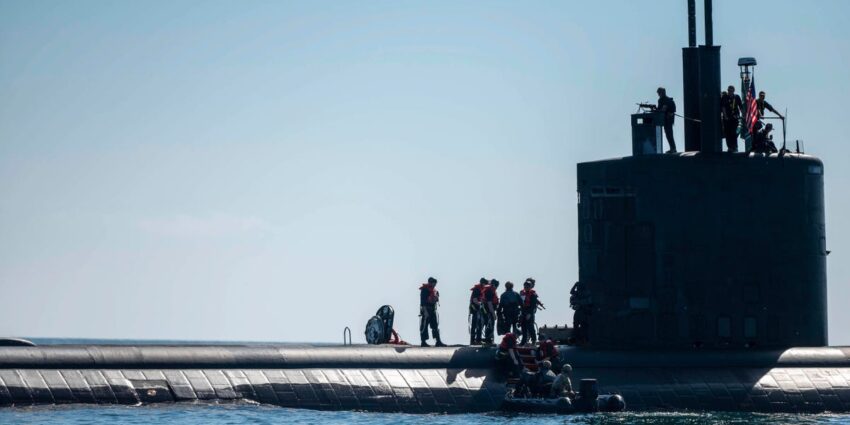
x=752 y=108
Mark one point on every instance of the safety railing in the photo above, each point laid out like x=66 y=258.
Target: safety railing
x=346 y=333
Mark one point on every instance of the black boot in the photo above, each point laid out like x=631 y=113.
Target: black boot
x=439 y=342
x=425 y=344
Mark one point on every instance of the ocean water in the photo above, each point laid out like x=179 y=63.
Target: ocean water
x=244 y=413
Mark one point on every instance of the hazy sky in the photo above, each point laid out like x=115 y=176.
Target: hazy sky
x=259 y=170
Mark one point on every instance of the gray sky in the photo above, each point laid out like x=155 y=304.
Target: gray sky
x=278 y=170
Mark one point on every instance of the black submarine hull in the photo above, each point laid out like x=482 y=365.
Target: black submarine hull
x=416 y=380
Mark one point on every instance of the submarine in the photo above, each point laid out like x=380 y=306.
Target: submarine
x=701 y=286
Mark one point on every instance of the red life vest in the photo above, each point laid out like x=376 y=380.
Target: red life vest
x=490 y=291
x=508 y=341
x=529 y=297
x=547 y=349
x=433 y=294
x=477 y=293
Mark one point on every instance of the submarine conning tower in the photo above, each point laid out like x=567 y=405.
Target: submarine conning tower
x=703 y=249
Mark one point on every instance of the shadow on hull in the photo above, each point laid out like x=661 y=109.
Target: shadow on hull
x=415 y=380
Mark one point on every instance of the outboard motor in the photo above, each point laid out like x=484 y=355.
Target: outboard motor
x=380 y=327
x=588 y=392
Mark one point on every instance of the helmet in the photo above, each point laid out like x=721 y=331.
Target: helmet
x=566 y=368
x=546 y=364
x=483 y=281
x=432 y=281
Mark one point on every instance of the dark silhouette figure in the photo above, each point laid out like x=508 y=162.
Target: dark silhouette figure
x=762 y=104
x=668 y=108
x=428 y=300
x=730 y=114
x=509 y=306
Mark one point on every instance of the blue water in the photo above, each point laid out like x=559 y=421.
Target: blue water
x=243 y=413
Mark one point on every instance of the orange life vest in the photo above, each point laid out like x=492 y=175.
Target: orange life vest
x=433 y=294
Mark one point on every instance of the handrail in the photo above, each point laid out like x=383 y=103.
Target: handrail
x=346 y=331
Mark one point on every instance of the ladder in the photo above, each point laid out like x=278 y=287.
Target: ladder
x=528 y=358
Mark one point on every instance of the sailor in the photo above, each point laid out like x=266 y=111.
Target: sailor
x=506 y=357
x=580 y=301
x=730 y=113
x=668 y=107
x=429 y=297
x=581 y=324
x=563 y=385
x=762 y=104
x=509 y=304
x=476 y=325
x=763 y=141
x=542 y=384
x=530 y=302
x=490 y=301
x=547 y=350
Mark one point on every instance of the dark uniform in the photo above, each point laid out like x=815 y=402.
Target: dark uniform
x=509 y=304
x=476 y=313
x=668 y=107
x=530 y=301
x=428 y=300
x=730 y=112
x=581 y=302
x=547 y=350
x=490 y=302
x=762 y=104
x=762 y=142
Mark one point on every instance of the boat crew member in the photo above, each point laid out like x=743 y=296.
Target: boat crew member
x=762 y=141
x=490 y=301
x=530 y=302
x=762 y=104
x=547 y=350
x=506 y=358
x=668 y=108
x=563 y=385
x=509 y=304
x=730 y=113
x=476 y=322
x=543 y=380
x=429 y=297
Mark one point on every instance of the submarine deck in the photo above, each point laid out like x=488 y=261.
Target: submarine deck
x=414 y=379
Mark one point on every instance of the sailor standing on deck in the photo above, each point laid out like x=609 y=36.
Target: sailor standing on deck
x=476 y=314
x=668 y=107
x=730 y=112
x=490 y=301
x=762 y=104
x=508 y=310
x=530 y=302
x=428 y=300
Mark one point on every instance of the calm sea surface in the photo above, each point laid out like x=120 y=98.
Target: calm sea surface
x=243 y=413
x=201 y=413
